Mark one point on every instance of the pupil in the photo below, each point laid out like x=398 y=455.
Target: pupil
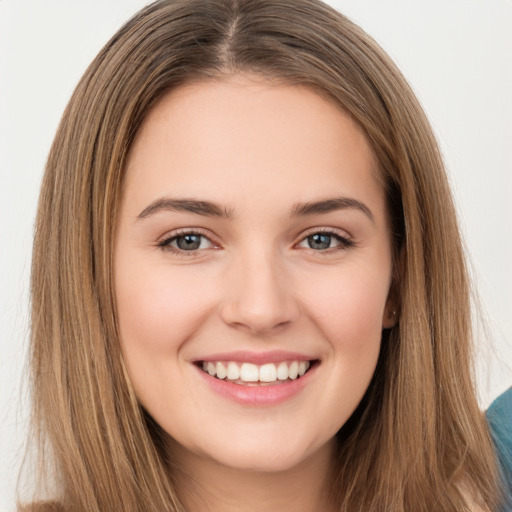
x=319 y=241
x=188 y=242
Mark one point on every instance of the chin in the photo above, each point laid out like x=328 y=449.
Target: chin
x=259 y=462
x=265 y=456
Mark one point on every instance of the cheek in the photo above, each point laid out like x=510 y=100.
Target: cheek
x=350 y=310
x=157 y=309
x=349 y=316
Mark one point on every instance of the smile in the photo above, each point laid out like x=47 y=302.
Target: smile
x=244 y=373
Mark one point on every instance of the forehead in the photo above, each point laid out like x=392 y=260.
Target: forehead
x=248 y=134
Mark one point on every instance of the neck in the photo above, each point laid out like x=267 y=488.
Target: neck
x=207 y=486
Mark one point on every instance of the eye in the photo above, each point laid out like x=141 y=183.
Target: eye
x=186 y=241
x=325 y=241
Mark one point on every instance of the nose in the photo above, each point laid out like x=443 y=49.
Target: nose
x=259 y=295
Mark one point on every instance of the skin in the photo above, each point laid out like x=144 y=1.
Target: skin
x=256 y=149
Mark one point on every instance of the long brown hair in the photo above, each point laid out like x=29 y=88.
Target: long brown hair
x=418 y=437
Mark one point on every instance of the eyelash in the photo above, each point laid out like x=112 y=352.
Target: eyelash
x=166 y=243
x=343 y=242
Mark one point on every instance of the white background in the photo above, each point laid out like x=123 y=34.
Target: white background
x=457 y=54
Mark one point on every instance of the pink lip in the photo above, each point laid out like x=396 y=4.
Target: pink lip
x=273 y=356
x=257 y=395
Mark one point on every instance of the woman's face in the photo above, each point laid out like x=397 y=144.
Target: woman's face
x=253 y=245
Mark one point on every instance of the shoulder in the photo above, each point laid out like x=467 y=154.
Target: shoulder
x=471 y=501
x=43 y=506
x=499 y=417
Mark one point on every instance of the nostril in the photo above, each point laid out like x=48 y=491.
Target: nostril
x=260 y=304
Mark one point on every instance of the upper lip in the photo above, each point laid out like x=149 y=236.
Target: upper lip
x=240 y=356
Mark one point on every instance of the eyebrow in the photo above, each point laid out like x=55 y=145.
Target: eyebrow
x=210 y=209
x=331 y=205
x=206 y=208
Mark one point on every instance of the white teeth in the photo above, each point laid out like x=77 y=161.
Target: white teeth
x=233 y=371
x=282 y=371
x=248 y=372
x=221 y=371
x=293 y=370
x=268 y=373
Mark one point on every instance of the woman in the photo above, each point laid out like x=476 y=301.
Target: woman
x=249 y=290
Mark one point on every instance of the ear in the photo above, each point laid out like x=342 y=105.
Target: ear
x=392 y=308
x=390 y=316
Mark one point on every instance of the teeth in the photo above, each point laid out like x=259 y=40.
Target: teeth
x=233 y=371
x=282 y=371
x=293 y=370
x=268 y=373
x=248 y=372
x=221 y=371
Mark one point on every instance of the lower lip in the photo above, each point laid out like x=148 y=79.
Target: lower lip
x=269 y=394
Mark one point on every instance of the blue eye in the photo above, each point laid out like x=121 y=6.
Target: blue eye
x=324 y=241
x=319 y=241
x=186 y=242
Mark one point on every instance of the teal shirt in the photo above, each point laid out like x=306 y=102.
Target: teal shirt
x=499 y=416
